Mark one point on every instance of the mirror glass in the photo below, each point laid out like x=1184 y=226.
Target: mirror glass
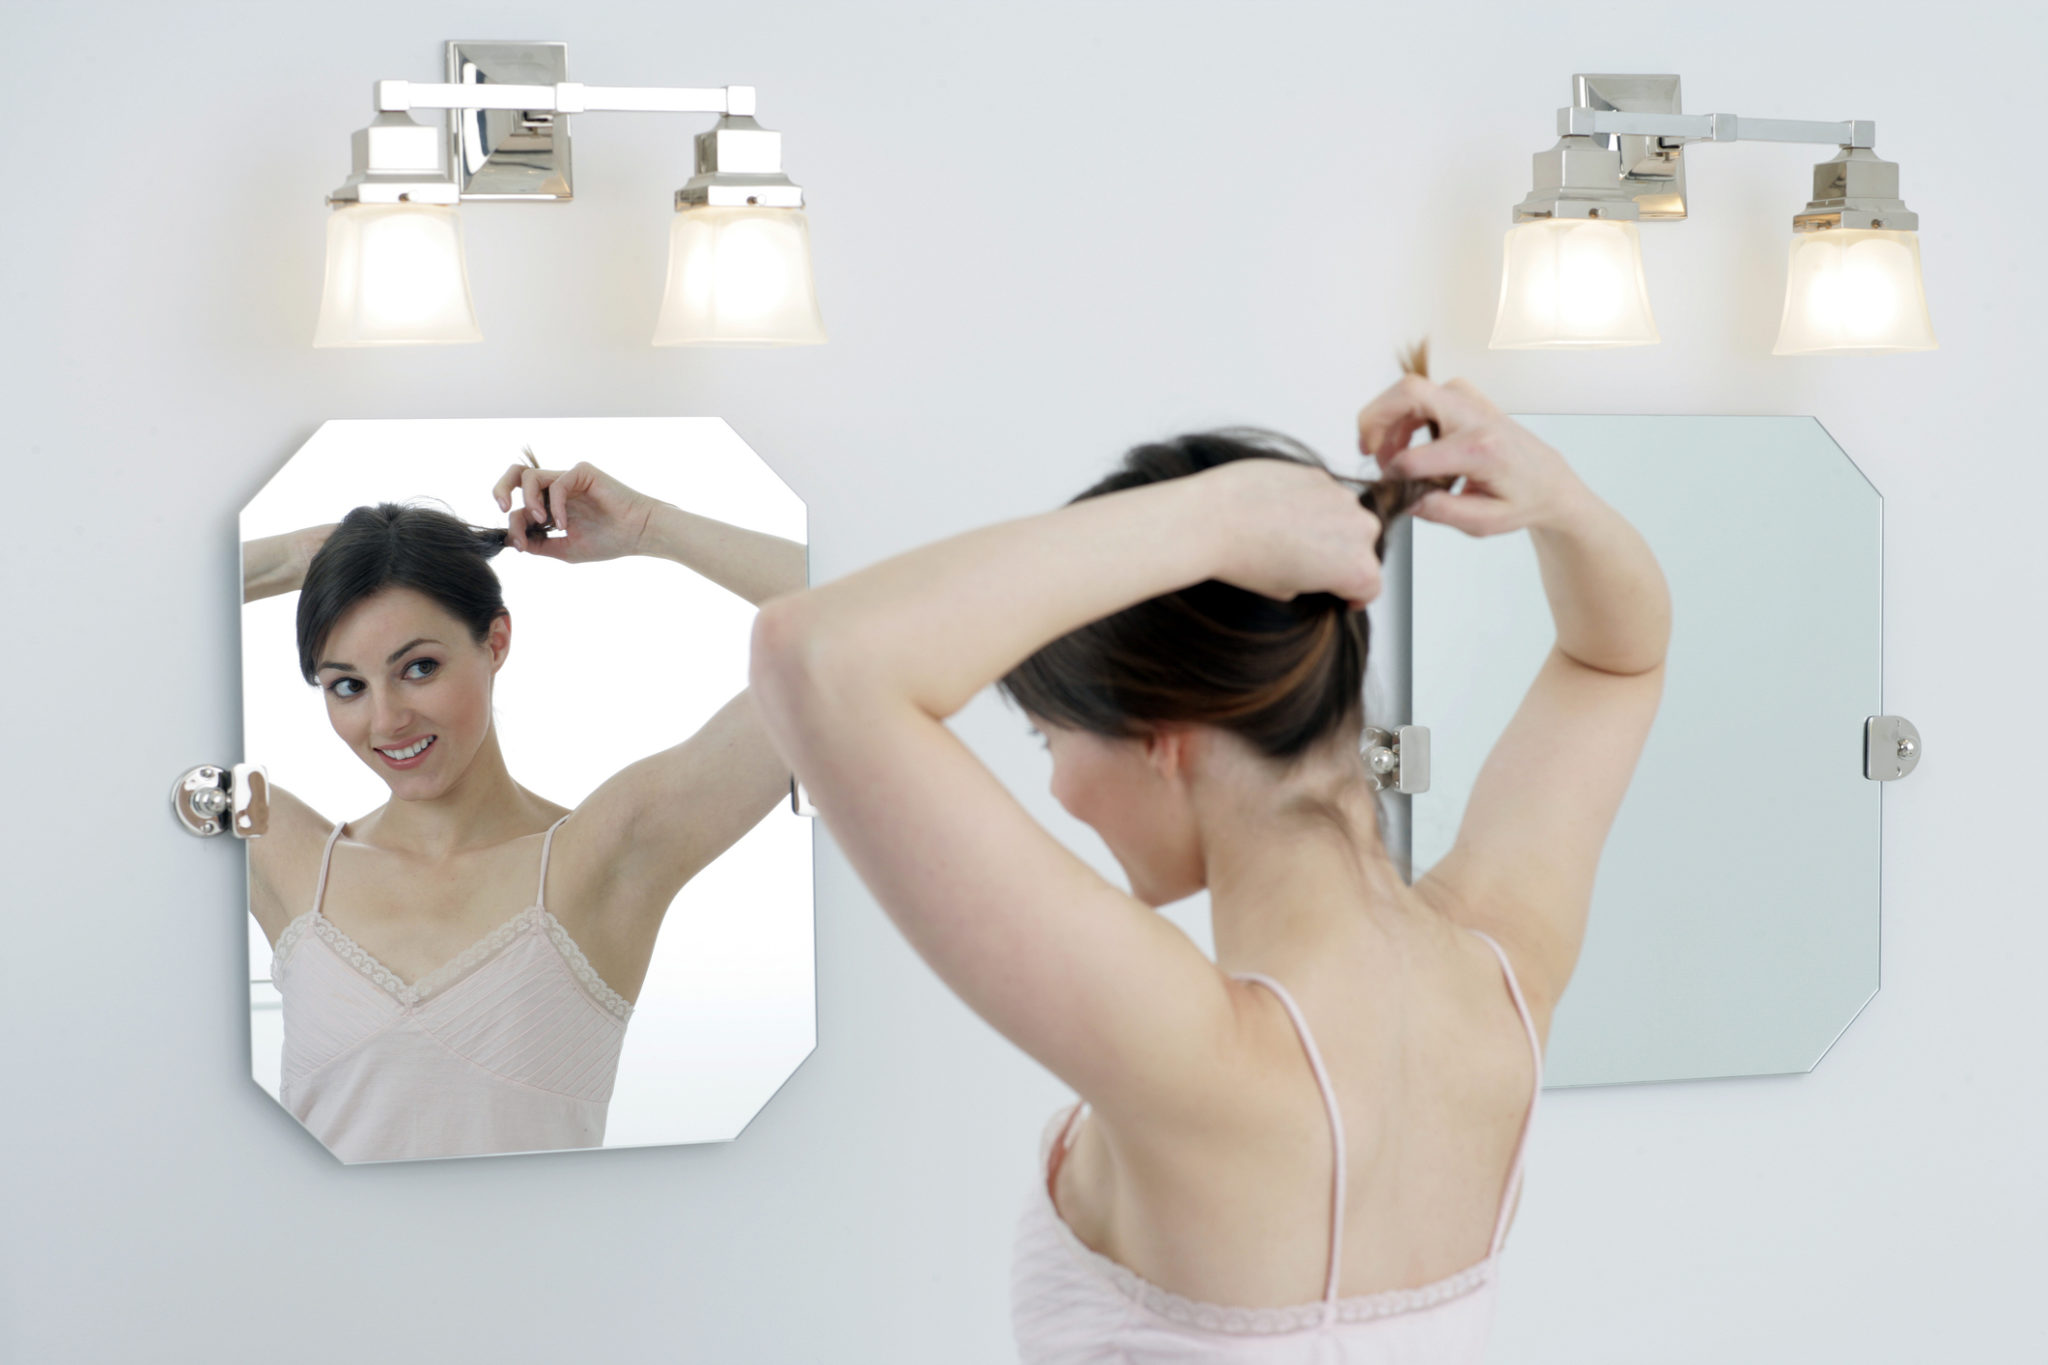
x=438 y=1004
x=1734 y=925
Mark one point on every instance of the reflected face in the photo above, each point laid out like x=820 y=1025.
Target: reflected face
x=1134 y=793
x=408 y=689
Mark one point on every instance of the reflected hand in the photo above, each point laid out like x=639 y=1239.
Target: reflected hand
x=1512 y=479
x=1294 y=529
x=600 y=517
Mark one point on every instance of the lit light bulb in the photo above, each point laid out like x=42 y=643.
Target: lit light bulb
x=1854 y=291
x=739 y=276
x=395 y=277
x=1573 y=282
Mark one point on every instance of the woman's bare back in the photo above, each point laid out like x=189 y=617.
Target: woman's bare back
x=1433 y=1074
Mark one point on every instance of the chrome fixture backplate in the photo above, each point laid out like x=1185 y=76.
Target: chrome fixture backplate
x=509 y=153
x=1652 y=169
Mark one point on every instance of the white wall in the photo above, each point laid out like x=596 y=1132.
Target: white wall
x=1042 y=232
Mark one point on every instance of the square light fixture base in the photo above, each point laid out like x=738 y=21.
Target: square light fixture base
x=509 y=153
x=1651 y=172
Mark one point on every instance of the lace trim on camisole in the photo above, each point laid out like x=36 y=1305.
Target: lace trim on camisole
x=579 y=966
x=490 y=945
x=1296 y=1317
x=281 y=951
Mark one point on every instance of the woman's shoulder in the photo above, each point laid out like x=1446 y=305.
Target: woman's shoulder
x=284 y=864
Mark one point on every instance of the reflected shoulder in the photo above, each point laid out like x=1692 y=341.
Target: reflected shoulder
x=284 y=864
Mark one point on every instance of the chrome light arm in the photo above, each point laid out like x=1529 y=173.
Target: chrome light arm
x=506 y=133
x=1578 y=121
x=566 y=97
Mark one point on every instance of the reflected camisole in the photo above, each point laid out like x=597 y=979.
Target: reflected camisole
x=1071 y=1305
x=512 y=1046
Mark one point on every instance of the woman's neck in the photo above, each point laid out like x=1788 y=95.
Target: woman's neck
x=483 y=807
x=1293 y=859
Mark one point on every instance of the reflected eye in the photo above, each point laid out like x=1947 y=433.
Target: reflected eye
x=420 y=669
x=345 y=687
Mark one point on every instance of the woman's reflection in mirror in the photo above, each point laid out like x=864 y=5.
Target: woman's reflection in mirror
x=458 y=966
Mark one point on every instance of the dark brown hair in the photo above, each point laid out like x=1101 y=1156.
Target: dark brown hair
x=1281 y=675
x=393 y=545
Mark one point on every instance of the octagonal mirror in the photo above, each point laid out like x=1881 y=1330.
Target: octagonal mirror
x=1734 y=925
x=534 y=878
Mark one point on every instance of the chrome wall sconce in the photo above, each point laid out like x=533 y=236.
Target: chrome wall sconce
x=1572 y=273
x=739 y=269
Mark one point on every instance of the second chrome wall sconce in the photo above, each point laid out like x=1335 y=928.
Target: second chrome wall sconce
x=739 y=268
x=1572 y=274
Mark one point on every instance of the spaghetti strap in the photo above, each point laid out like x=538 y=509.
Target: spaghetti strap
x=1329 y=1093
x=326 y=859
x=1514 y=1185
x=1062 y=1143
x=547 y=846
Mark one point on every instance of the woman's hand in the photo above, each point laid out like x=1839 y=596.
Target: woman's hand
x=600 y=517
x=1293 y=528
x=1512 y=480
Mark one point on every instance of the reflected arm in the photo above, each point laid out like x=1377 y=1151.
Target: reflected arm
x=750 y=564
x=1607 y=594
x=664 y=819
x=1527 y=851
x=277 y=564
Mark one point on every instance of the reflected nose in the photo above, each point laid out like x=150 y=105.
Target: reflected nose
x=390 y=718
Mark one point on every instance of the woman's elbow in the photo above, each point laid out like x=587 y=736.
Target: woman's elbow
x=781 y=662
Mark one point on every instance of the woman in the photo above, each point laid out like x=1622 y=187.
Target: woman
x=426 y=1013
x=1308 y=1148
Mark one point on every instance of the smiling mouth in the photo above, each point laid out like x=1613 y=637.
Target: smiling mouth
x=410 y=755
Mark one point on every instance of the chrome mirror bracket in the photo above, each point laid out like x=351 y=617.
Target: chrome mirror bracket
x=1891 y=748
x=210 y=800
x=1397 y=758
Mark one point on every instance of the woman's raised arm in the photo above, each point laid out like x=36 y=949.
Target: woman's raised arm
x=856 y=677
x=602 y=518
x=1523 y=864
x=277 y=564
x=657 y=822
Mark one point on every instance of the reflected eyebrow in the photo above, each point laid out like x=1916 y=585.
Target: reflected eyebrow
x=407 y=647
x=392 y=658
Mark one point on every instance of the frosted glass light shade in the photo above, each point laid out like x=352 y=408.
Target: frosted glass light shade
x=1573 y=282
x=1854 y=291
x=395 y=277
x=739 y=277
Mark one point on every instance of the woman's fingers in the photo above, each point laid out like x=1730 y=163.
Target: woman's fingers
x=502 y=489
x=1472 y=452
x=533 y=484
x=1390 y=421
x=1473 y=513
x=580 y=482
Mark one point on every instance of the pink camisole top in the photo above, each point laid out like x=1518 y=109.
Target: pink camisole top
x=512 y=1046
x=1075 y=1306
